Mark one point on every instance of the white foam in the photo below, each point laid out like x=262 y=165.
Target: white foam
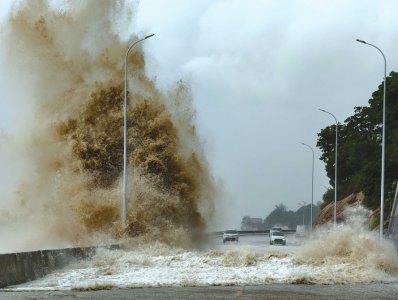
x=158 y=265
x=349 y=253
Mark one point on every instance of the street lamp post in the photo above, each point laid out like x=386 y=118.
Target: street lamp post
x=312 y=180
x=123 y=210
x=335 y=166
x=302 y=205
x=383 y=141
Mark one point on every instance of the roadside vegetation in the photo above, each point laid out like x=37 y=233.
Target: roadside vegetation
x=283 y=217
x=289 y=218
x=359 y=157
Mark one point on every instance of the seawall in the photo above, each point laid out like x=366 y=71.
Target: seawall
x=16 y=268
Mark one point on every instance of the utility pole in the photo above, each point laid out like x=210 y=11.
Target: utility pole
x=383 y=141
x=123 y=204
x=312 y=180
x=335 y=166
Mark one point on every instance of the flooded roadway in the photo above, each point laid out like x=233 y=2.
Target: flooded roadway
x=258 y=242
x=345 y=262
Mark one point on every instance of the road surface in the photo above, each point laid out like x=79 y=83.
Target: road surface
x=223 y=271
x=272 y=291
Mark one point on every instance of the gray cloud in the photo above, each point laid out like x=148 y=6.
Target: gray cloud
x=258 y=71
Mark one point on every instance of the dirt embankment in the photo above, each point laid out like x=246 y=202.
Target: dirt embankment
x=326 y=214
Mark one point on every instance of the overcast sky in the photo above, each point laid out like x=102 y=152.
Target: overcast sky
x=258 y=72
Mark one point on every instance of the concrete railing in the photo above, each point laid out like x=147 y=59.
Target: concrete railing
x=17 y=268
x=248 y=232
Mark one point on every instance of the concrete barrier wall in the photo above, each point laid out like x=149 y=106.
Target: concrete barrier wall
x=243 y=232
x=16 y=268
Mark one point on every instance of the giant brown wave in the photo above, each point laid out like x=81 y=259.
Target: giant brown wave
x=70 y=59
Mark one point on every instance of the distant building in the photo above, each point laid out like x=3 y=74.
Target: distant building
x=249 y=223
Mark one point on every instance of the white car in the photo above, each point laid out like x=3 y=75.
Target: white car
x=274 y=229
x=230 y=235
x=277 y=237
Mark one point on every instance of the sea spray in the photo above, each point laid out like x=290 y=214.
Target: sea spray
x=350 y=251
x=348 y=254
x=68 y=57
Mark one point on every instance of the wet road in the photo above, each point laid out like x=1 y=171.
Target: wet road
x=270 y=291
x=258 y=242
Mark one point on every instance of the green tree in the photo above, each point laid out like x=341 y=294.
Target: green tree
x=360 y=148
x=284 y=217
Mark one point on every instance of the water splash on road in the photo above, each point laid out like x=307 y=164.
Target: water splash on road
x=65 y=63
x=347 y=254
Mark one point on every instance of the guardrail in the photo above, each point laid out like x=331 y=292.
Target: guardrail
x=243 y=232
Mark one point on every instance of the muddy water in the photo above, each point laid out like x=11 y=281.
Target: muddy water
x=69 y=60
x=250 y=262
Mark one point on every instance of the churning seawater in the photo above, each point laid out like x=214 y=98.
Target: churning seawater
x=342 y=255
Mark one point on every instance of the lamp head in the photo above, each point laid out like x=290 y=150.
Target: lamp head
x=148 y=36
x=361 y=41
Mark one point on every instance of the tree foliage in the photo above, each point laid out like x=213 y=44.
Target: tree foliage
x=284 y=217
x=359 y=152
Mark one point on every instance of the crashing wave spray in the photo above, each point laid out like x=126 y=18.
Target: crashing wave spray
x=349 y=252
x=69 y=57
x=344 y=255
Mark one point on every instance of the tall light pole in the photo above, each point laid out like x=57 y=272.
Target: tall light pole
x=383 y=140
x=123 y=208
x=336 y=146
x=312 y=180
x=302 y=205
